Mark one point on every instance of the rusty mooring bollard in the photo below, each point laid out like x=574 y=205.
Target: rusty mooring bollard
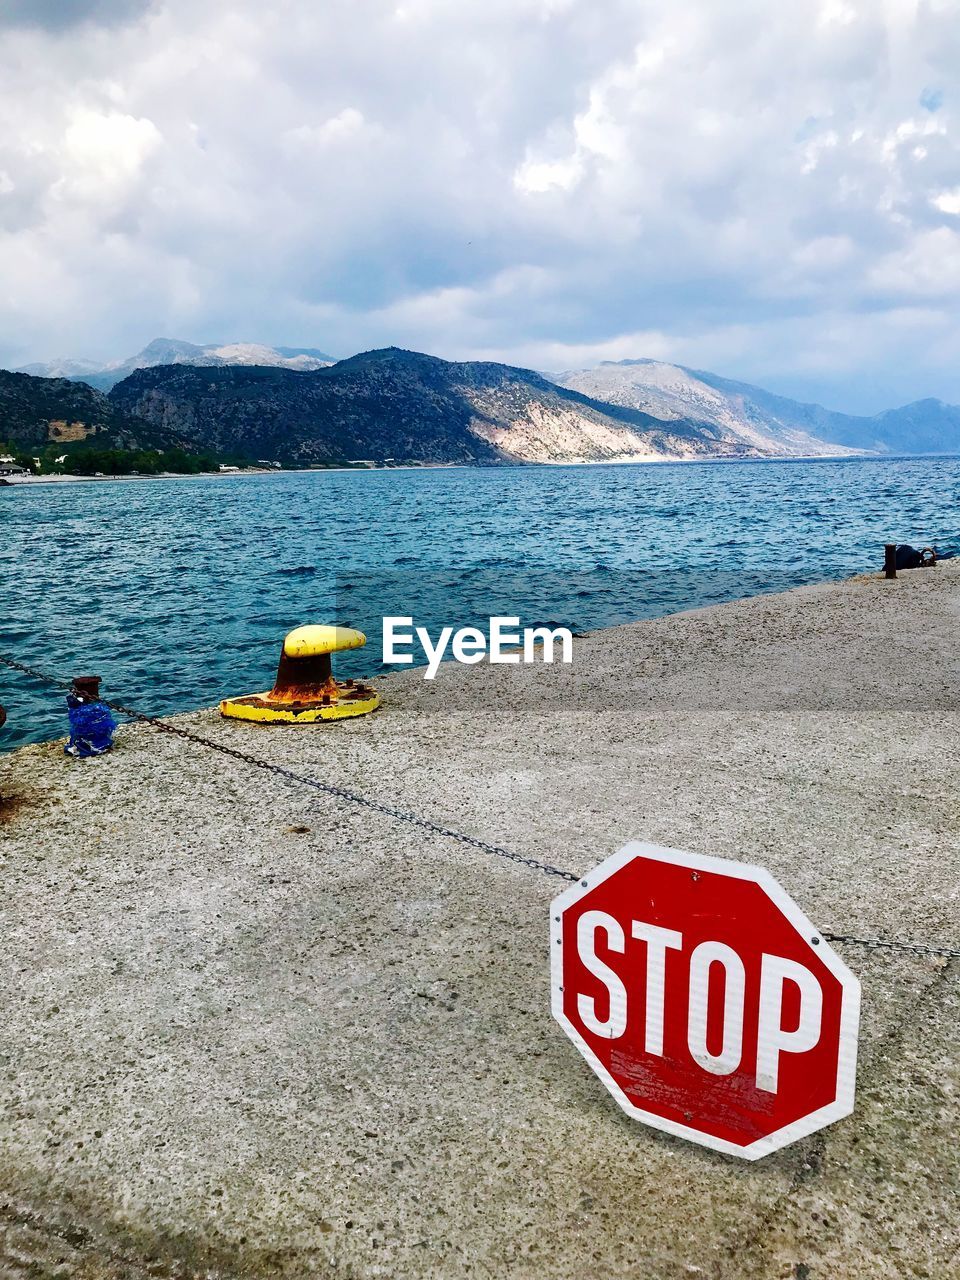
x=890 y=560
x=305 y=691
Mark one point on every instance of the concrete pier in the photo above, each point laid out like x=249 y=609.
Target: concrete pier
x=249 y=1031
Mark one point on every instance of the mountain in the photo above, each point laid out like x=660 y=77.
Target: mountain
x=401 y=405
x=73 y=369
x=408 y=407
x=742 y=413
x=36 y=412
x=163 y=351
x=925 y=426
x=750 y=414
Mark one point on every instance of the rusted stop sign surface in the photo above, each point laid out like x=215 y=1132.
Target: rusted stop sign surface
x=705 y=1000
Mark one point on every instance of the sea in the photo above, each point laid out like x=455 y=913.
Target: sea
x=178 y=592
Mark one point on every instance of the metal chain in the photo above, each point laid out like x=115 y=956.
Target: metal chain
x=425 y=824
x=344 y=793
x=33 y=673
x=328 y=788
x=919 y=948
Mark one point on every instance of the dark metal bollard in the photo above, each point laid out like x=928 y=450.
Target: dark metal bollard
x=890 y=560
x=87 y=688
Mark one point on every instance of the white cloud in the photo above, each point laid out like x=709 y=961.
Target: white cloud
x=836 y=12
x=928 y=266
x=538 y=176
x=102 y=154
x=341 y=128
x=947 y=201
x=549 y=180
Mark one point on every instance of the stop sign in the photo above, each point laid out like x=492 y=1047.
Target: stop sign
x=704 y=999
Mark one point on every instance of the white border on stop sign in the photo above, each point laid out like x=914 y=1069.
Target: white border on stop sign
x=842 y=1104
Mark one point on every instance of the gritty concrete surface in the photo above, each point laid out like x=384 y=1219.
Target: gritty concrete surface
x=248 y=1030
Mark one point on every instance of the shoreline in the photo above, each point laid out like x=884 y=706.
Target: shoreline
x=269 y=1033
x=849 y=456
x=12 y=481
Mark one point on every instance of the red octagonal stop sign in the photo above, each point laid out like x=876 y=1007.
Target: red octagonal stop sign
x=705 y=1000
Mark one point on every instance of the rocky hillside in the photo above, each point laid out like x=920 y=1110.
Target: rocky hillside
x=36 y=412
x=173 y=351
x=773 y=423
x=669 y=391
x=400 y=405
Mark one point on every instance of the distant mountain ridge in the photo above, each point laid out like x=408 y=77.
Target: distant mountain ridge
x=294 y=404
x=749 y=412
x=162 y=351
x=407 y=407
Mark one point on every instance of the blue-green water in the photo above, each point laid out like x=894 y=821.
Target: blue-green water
x=178 y=592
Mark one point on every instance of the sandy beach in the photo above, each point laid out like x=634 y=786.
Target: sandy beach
x=251 y=1031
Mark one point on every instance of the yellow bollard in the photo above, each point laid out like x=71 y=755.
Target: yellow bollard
x=305 y=691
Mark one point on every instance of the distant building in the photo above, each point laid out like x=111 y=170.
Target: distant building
x=225 y=468
x=12 y=469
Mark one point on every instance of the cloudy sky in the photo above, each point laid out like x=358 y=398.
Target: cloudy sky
x=771 y=191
